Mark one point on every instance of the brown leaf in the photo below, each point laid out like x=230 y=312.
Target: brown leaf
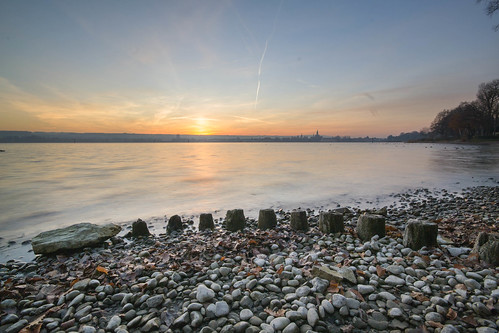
x=470 y=320
x=359 y=295
x=278 y=313
x=334 y=287
x=434 y=324
x=451 y=314
x=102 y=270
x=380 y=271
x=419 y=296
x=73 y=282
x=34 y=328
x=279 y=271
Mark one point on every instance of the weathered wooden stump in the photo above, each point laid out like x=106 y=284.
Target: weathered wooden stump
x=174 y=224
x=487 y=248
x=139 y=228
x=299 y=220
x=235 y=220
x=206 y=222
x=370 y=225
x=418 y=234
x=267 y=219
x=331 y=222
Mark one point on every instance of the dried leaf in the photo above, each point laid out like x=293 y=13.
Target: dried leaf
x=359 y=295
x=434 y=324
x=279 y=271
x=334 y=287
x=102 y=270
x=278 y=313
x=419 y=296
x=34 y=328
x=380 y=271
x=470 y=320
x=73 y=282
x=252 y=242
x=451 y=314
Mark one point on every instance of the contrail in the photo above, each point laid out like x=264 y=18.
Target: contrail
x=264 y=52
x=260 y=71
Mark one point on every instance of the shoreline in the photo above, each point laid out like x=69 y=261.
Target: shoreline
x=255 y=280
x=19 y=248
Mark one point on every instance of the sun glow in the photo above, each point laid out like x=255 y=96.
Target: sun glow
x=201 y=126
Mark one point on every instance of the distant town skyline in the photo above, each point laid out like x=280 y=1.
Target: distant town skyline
x=277 y=68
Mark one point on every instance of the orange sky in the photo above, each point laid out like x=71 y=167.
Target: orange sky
x=240 y=68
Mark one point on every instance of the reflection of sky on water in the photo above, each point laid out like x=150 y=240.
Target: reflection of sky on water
x=480 y=159
x=45 y=186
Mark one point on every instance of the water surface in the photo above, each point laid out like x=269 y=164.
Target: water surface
x=45 y=186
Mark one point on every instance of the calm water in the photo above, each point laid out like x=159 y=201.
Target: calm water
x=44 y=186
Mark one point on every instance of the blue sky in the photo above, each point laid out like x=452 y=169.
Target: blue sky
x=240 y=67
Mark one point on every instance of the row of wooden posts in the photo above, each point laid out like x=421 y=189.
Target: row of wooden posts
x=417 y=233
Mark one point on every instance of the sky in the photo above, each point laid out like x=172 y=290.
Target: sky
x=273 y=67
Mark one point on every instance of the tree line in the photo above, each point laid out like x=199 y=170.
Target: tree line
x=478 y=118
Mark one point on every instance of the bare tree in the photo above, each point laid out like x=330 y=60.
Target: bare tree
x=491 y=8
x=488 y=99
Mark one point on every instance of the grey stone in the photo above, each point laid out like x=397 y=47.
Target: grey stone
x=17 y=326
x=113 y=323
x=266 y=219
x=279 y=323
x=449 y=329
x=394 y=281
x=379 y=325
x=457 y=251
x=298 y=220
x=352 y=303
x=486 y=329
x=174 y=224
x=418 y=234
x=303 y=291
x=395 y=313
x=387 y=295
x=204 y=294
x=241 y=327
x=206 y=222
x=235 y=220
x=88 y=329
x=395 y=269
x=365 y=289
x=181 y=320
x=221 y=309
x=433 y=316
x=370 y=225
x=291 y=328
x=487 y=248
x=319 y=285
x=312 y=317
x=326 y=273
x=339 y=300
x=139 y=228
x=81 y=285
x=245 y=314
x=73 y=237
x=331 y=222
x=155 y=301
x=9 y=319
x=328 y=307
x=348 y=275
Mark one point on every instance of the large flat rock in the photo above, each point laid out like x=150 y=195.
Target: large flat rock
x=73 y=237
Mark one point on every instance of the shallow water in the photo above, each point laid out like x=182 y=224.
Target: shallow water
x=45 y=186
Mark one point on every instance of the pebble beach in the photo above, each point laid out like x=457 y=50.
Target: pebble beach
x=271 y=280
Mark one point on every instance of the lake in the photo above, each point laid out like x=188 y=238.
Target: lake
x=46 y=186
